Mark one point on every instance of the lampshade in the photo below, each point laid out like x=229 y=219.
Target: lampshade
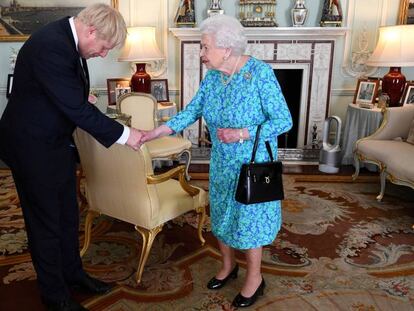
x=140 y=47
x=395 y=49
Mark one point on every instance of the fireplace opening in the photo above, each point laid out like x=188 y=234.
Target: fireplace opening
x=290 y=81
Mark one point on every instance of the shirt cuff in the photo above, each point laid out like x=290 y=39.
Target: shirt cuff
x=124 y=137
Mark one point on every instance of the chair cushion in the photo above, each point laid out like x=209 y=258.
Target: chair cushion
x=174 y=201
x=410 y=138
x=396 y=155
x=167 y=146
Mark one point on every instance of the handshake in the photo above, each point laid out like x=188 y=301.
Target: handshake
x=138 y=137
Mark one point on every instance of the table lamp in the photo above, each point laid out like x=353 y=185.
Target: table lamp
x=395 y=49
x=140 y=47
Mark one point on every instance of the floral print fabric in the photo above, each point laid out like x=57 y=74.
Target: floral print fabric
x=252 y=97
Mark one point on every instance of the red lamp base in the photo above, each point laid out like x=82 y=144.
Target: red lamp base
x=140 y=81
x=393 y=84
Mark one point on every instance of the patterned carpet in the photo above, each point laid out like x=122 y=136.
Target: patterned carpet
x=339 y=249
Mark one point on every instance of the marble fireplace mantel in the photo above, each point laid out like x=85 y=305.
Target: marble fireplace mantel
x=272 y=33
x=310 y=49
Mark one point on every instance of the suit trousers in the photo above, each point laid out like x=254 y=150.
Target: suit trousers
x=51 y=215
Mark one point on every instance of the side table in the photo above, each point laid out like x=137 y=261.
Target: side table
x=360 y=122
x=165 y=111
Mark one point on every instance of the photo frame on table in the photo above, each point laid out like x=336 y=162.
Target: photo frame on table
x=9 y=85
x=159 y=89
x=19 y=25
x=408 y=95
x=406 y=14
x=117 y=87
x=366 y=91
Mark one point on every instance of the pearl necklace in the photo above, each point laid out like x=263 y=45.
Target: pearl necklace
x=226 y=82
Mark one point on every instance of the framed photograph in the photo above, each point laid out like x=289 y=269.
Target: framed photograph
x=366 y=91
x=21 y=18
x=159 y=89
x=9 y=85
x=121 y=91
x=406 y=15
x=117 y=87
x=408 y=95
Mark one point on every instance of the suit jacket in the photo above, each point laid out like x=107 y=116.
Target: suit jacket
x=48 y=100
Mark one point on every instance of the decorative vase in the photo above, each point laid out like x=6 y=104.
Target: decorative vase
x=299 y=13
x=215 y=8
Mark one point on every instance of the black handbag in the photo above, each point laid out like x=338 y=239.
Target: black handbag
x=260 y=182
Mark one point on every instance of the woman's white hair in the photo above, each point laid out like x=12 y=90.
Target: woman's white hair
x=227 y=32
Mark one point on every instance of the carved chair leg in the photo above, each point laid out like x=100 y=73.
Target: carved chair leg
x=79 y=174
x=383 y=177
x=202 y=216
x=356 y=164
x=90 y=216
x=148 y=237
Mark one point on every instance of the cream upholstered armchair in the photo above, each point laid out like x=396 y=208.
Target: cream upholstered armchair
x=120 y=183
x=391 y=148
x=142 y=108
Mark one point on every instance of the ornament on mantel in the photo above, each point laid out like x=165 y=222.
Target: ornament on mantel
x=256 y=13
x=185 y=16
x=215 y=8
x=331 y=14
x=299 y=13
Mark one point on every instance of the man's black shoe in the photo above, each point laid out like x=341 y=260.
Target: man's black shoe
x=91 y=285
x=65 y=305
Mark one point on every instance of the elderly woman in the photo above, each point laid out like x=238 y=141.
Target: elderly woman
x=237 y=94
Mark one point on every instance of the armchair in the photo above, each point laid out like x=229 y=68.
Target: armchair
x=143 y=111
x=120 y=183
x=389 y=149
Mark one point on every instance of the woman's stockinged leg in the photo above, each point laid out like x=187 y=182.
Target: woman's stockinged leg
x=253 y=273
x=228 y=260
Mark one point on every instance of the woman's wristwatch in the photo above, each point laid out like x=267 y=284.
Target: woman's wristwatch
x=241 y=140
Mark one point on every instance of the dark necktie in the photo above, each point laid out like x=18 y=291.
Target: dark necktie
x=86 y=72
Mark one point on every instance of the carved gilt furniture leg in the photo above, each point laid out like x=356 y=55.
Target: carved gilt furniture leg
x=148 y=237
x=356 y=164
x=202 y=215
x=383 y=177
x=90 y=216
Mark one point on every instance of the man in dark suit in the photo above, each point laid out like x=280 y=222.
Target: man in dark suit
x=48 y=100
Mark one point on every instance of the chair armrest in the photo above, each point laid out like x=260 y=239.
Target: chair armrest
x=396 y=123
x=177 y=171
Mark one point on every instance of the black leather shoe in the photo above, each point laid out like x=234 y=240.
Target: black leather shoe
x=91 y=285
x=216 y=283
x=241 y=302
x=65 y=305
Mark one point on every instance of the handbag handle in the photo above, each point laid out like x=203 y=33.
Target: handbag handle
x=256 y=143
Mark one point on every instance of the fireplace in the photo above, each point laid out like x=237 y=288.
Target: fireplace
x=304 y=55
x=290 y=81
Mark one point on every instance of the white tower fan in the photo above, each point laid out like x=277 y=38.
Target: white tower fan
x=330 y=155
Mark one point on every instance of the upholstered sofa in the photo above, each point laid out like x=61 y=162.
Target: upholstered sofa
x=391 y=148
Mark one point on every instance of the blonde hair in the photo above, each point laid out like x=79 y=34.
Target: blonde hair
x=109 y=23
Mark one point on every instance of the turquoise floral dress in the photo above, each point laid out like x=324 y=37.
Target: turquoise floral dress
x=252 y=97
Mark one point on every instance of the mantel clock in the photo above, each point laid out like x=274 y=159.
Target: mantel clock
x=255 y=13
